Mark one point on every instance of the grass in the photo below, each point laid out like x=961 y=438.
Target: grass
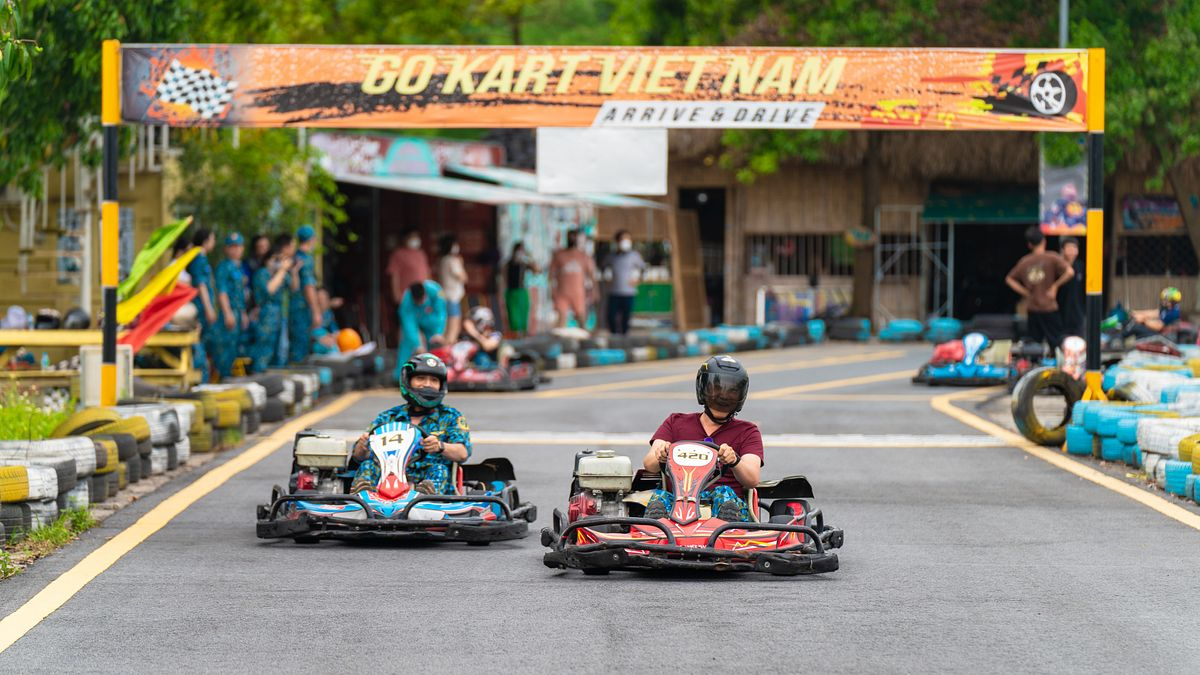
x=21 y=419
x=42 y=541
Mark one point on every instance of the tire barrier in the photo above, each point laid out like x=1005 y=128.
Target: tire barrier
x=1150 y=424
x=1041 y=382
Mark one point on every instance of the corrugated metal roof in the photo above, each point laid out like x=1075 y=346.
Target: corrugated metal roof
x=453 y=188
x=527 y=180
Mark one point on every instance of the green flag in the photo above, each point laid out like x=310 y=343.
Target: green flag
x=160 y=243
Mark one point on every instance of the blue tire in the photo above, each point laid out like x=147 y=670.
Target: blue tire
x=1079 y=441
x=1133 y=455
x=1112 y=450
x=1176 y=476
x=1127 y=430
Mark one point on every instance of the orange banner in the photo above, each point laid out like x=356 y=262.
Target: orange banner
x=672 y=87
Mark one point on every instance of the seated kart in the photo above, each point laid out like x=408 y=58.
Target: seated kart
x=468 y=370
x=971 y=369
x=603 y=529
x=484 y=507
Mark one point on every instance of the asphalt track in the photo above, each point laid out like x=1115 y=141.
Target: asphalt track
x=976 y=558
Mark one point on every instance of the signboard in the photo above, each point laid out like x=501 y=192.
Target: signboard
x=699 y=87
x=384 y=155
x=1063 y=198
x=1153 y=214
x=622 y=161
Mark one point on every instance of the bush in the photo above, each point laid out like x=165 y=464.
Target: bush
x=22 y=419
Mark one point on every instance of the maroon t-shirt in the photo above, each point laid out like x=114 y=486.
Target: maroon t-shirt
x=740 y=435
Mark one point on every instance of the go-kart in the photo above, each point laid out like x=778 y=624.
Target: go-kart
x=483 y=508
x=604 y=528
x=469 y=370
x=964 y=363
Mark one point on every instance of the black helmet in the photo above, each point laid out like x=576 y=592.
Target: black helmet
x=424 y=398
x=722 y=381
x=77 y=319
x=47 y=319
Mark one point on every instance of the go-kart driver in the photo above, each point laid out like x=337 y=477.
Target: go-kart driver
x=1148 y=322
x=722 y=385
x=480 y=328
x=447 y=438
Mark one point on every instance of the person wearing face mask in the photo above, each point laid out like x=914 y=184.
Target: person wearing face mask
x=407 y=265
x=446 y=435
x=452 y=274
x=269 y=286
x=622 y=270
x=201 y=273
x=571 y=273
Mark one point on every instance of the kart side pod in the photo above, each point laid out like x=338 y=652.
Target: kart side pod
x=604 y=470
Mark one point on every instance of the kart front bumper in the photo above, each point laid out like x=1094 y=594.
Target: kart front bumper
x=306 y=526
x=813 y=557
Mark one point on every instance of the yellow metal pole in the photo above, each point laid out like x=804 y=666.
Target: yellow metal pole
x=110 y=118
x=1095 y=222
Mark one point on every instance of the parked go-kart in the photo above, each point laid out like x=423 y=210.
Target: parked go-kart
x=603 y=529
x=464 y=373
x=484 y=507
x=965 y=363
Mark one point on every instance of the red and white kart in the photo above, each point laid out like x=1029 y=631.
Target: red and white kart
x=603 y=529
x=465 y=373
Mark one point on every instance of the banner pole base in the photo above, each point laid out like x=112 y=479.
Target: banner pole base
x=1094 y=391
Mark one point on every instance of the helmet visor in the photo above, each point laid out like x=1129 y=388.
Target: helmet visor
x=726 y=392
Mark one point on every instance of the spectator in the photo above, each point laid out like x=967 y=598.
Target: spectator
x=304 y=316
x=407 y=266
x=1071 y=297
x=260 y=248
x=231 y=300
x=623 y=270
x=516 y=294
x=571 y=273
x=268 y=284
x=1037 y=277
x=325 y=337
x=422 y=320
x=201 y=275
x=452 y=275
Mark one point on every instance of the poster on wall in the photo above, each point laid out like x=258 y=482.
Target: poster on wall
x=656 y=87
x=1064 y=199
x=1151 y=214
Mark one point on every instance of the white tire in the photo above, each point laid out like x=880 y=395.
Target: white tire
x=183 y=450
x=43 y=513
x=80 y=497
x=79 y=449
x=158 y=461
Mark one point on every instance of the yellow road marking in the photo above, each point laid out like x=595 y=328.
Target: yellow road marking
x=945 y=405
x=834 y=384
x=684 y=377
x=14 y=626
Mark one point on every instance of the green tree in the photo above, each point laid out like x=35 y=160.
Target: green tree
x=266 y=184
x=55 y=108
x=16 y=52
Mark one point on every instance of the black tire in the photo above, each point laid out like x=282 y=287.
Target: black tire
x=145 y=448
x=1040 y=381
x=15 y=518
x=595 y=572
x=65 y=471
x=98 y=489
x=133 y=469
x=274 y=410
x=479 y=543
x=306 y=540
x=172 y=458
x=253 y=420
x=114 y=484
x=127 y=445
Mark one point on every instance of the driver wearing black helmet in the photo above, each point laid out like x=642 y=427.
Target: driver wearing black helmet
x=722 y=385
x=447 y=438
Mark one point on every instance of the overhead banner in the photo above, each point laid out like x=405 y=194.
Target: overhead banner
x=656 y=87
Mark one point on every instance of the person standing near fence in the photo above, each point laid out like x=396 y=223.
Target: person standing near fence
x=269 y=284
x=304 y=315
x=623 y=269
x=201 y=274
x=1071 y=296
x=231 y=300
x=516 y=293
x=1037 y=277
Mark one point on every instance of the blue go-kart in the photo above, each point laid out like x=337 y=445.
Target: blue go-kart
x=967 y=371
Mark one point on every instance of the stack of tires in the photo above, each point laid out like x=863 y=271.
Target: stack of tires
x=166 y=430
x=40 y=478
x=856 y=329
x=233 y=403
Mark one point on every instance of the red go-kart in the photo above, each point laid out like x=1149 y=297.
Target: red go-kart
x=466 y=372
x=603 y=530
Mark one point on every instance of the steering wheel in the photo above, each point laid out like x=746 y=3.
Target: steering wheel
x=662 y=472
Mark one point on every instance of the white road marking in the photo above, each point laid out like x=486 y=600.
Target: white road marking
x=586 y=438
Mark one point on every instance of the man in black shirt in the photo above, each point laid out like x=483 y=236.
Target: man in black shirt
x=1071 y=300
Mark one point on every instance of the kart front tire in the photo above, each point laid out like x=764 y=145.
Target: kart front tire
x=479 y=543
x=595 y=572
x=305 y=540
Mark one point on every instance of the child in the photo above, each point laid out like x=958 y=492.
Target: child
x=447 y=437
x=722 y=385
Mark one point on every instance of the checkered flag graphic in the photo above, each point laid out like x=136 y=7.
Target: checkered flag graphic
x=203 y=90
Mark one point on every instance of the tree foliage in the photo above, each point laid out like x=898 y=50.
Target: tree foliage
x=266 y=184
x=16 y=52
x=56 y=107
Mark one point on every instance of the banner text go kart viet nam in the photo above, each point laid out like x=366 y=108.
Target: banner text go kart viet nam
x=710 y=87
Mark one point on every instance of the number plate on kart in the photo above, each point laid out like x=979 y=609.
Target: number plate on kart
x=692 y=455
x=393 y=441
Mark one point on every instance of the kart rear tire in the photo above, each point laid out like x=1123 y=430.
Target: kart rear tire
x=479 y=543
x=306 y=540
x=595 y=572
